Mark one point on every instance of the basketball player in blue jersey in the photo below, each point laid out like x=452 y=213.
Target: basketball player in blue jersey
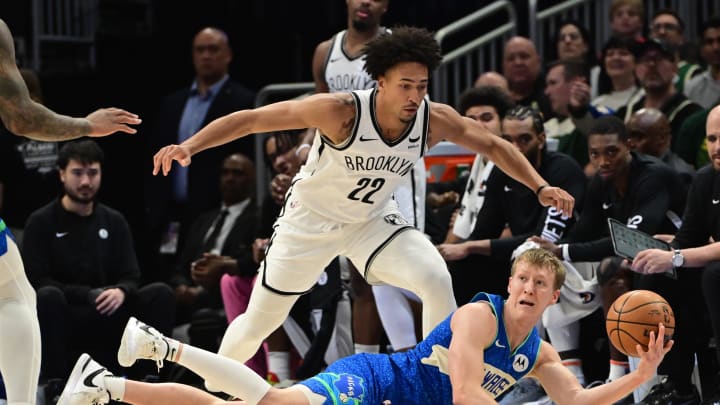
x=474 y=356
x=340 y=203
x=19 y=328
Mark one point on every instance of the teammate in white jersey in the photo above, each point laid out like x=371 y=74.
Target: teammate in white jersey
x=340 y=203
x=19 y=328
x=339 y=65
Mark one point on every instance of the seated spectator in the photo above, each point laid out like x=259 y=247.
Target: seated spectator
x=627 y=18
x=219 y=242
x=618 y=67
x=573 y=42
x=694 y=150
x=487 y=105
x=649 y=133
x=522 y=69
x=641 y=192
x=568 y=90
x=704 y=89
x=506 y=201
x=491 y=78
x=697 y=243
x=668 y=26
x=80 y=258
x=655 y=69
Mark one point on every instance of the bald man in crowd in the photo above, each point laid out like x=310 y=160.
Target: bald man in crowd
x=522 y=69
x=649 y=132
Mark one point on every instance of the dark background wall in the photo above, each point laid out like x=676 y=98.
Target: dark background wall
x=143 y=53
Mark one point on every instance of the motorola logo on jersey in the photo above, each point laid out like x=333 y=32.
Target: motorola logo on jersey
x=521 y=363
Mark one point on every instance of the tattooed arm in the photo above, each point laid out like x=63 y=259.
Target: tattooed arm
x=23 y=116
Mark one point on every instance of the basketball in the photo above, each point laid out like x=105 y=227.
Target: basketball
x=633 y=316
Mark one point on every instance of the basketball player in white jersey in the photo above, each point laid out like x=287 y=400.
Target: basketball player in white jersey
x=339 y=65
x=340 y=203
x=19 y=327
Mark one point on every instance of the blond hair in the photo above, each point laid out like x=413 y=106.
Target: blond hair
x=544 y=259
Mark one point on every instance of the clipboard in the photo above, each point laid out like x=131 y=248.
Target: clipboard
x=628 y=242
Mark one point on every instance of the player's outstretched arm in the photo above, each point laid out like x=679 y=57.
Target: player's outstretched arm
x=330 y=112
x=446 y=123
x=23 y=116
x=563 y=388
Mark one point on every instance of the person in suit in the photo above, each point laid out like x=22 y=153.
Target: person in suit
x=219 y=242
x=173 y=202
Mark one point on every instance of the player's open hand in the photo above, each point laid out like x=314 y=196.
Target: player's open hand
x=558 y=198
x=106 y=121
x=657 y=349
x=164 y=157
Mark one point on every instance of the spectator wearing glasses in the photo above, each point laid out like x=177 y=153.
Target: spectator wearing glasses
x=669 y=27
x=655 y=69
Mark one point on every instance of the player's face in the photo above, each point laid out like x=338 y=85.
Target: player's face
x=366 y=14
x=619 y=63
x=609 y=155
x=571 y=43
x=81 y=181
x=531 y=289
x=523 y=136
x=403 y=87
x=486 y=116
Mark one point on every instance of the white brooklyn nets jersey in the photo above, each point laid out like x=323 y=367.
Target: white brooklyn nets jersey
x=343 y=73
x=354 y=181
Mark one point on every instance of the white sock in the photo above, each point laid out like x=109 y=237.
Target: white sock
x=279 y=364
x=618 y=369
x=575 y=367
x=360 y=348
x=172 y=350
x=116 y=387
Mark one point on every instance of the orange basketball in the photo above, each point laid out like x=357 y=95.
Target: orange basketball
x=633 y=316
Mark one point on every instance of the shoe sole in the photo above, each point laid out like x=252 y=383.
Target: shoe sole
x=126 y=343
x=73 y=380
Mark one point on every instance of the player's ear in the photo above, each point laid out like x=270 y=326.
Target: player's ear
x=555 y=296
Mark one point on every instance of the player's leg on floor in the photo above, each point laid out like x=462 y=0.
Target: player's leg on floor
x=19 y=329
x=411 y=261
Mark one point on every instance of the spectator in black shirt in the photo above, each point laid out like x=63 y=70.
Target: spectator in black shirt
x=636 y=189
x=80 y=258
x=508 y=202
x=701 y=223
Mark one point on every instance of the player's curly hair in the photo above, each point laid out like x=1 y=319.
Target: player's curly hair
x=404 y=44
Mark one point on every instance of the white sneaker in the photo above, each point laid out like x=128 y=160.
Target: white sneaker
x=140 y=341
x=86 y=384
